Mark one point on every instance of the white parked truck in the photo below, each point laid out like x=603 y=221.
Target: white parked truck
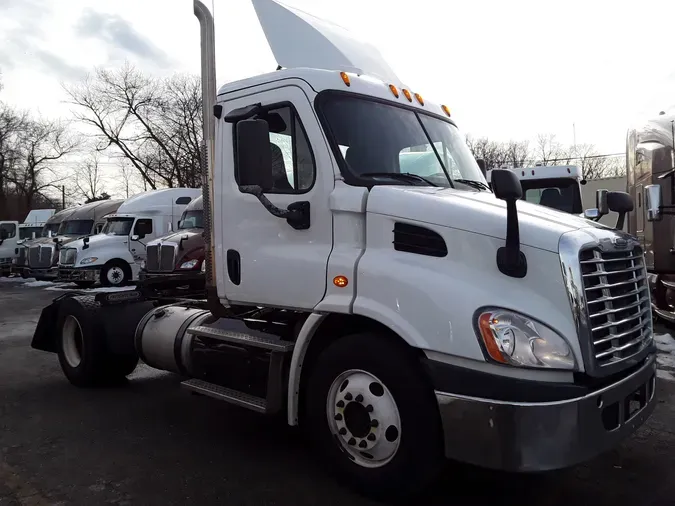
x=113 y=257
x=42 y=255
x=13 y=234
x=397 y=318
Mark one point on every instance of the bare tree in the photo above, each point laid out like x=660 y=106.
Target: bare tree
x=88 y=177
x=39 y=146
x=155 y=124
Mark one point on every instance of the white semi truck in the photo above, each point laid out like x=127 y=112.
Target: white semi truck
x=397 y=318
x=114 y=256
x=13 y=234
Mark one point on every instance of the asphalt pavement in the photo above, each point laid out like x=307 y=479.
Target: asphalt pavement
x=151 y=443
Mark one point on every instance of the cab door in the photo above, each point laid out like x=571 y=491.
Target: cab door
x=262 y=259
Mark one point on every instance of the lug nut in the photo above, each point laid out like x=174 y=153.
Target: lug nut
x=371 y=437
x=338 y=417
x=342 y=431
x=340 y=404
x=348 y=396
x=363 y=444
x=369 y=408
x=359 y=398
x=374 y=423
x=351 y=442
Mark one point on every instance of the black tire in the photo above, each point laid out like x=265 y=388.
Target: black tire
x=419 y=457
x=97 y=366
x=119 y=268
x=84 y=284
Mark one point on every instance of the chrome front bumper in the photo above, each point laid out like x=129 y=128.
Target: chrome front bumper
x=81 y=274
x=542 y=436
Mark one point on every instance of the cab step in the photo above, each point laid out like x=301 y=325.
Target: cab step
x=226 y=394
x=275 y=345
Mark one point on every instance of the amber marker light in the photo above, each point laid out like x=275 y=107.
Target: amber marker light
x=394 y=90
x=419 y=98
x=446 y=110
x=340 y=281
x=485 y=323
x=345 y=78
x=407 y=95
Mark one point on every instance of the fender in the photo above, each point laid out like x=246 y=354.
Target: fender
x=307 y=331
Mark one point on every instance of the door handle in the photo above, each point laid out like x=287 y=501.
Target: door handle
x=234 y=266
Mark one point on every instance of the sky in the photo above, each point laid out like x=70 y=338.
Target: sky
x=507 y=69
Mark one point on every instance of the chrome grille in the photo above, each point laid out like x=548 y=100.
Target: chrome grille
x=67 y=256
x=160 y=258
x=617 y=300
x=21 y=260
x=40 y=256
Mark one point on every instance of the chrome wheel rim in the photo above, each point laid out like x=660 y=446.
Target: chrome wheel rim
x=115 y=275
x=364 y=418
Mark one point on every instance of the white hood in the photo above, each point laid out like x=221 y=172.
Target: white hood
x=298 y=39
x=477 y=212
x=96 y=243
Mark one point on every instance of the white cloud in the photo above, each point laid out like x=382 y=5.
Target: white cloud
x=506 y=69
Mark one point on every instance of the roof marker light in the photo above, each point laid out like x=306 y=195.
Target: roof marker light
x=419 y=98
x=407 y=95
x=394 y=90
x=345 y=78
x=446 y=110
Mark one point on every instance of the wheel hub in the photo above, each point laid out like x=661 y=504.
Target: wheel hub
x=363 y=416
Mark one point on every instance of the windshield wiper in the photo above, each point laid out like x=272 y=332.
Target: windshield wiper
x=470 y=182
x=407 y=176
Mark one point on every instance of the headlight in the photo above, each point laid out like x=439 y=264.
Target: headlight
x=143 y=264
x=513 y=339
x=190 y=264
x=88 y=260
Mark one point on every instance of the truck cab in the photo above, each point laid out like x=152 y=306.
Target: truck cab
x=48 y=231
x=398 y=316
x=114 y=256
x=87 y=219
x=176 y=261
x=9 y=237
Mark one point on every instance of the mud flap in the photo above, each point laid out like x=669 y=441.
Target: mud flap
x=44 y=337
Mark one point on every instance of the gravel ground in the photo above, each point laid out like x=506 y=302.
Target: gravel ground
x=150 y=443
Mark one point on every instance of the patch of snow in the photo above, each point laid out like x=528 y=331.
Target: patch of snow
x=16 y=279
x=38 y=283
x=665 y=375
x=666 y=361
x=664 y=343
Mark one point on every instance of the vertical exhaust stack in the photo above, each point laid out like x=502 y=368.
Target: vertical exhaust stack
x=208 y=71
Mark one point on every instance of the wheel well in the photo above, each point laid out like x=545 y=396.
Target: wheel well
x=118 y=261
x=335 y=326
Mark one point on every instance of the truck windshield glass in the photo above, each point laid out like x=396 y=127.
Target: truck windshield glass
x=192 y=219
x=386 y=144
x=27 y=232
x=52 y=229
x=118 y=226
x=562 y=194
x=76 y=227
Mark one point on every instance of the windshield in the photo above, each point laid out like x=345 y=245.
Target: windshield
x=52 y=227
x=192 y=219
x=27 y=232
x=118 y=226
x=385 y=144
x=76 y=227
x=562 y=194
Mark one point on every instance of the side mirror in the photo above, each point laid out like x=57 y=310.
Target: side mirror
x=601 y=202
x=20 y=242
x=510 y=260
x=254 y=155
x=653 y=202
x=135 y=237
x=481 y=166
x=621 y=203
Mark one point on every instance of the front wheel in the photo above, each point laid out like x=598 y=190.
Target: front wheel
x=373 y=416
x=115 y=274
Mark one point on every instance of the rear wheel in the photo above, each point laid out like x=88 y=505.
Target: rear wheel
x=373 y=416
x=81 y=347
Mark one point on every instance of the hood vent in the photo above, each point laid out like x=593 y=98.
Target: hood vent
x=418 y=240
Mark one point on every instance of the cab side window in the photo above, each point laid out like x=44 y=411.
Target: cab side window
x=293 y=167
x=7 y=230
x=143 y=227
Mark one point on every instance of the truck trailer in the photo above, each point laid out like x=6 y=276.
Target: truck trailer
x=398 y=319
